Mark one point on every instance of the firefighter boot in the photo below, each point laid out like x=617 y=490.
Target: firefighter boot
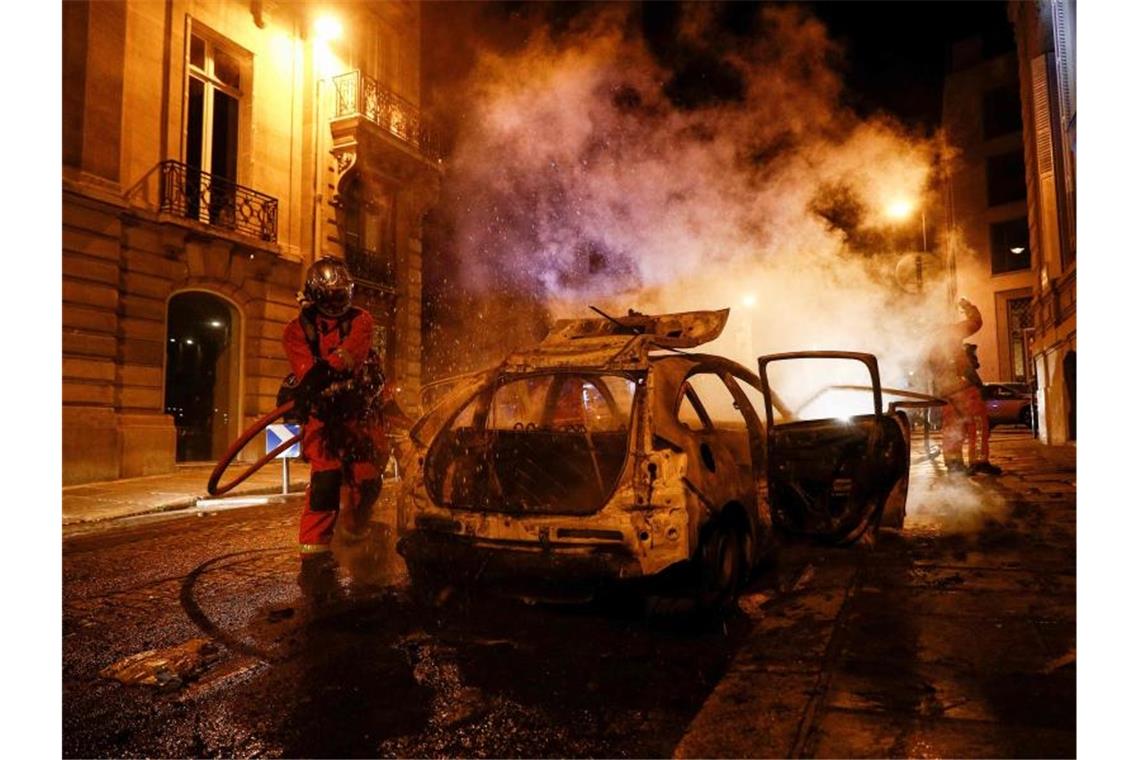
x=318 y=578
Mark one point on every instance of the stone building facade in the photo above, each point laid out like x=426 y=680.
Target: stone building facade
x=211 y=150
x=985 y=203
x=1047 y=65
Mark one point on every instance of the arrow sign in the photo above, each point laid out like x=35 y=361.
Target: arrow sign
x=275 y=435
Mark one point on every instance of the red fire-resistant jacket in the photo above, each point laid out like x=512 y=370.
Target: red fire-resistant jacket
x=343 y=342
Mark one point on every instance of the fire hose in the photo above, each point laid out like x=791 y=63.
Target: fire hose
x=242 y=441
x=255 y=429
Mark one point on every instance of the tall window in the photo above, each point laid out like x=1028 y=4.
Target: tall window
x=1020 y=319
x=1009 y=246
x=369 y=240
x=1001 y=111
x=1005 y=177
x=213 y=99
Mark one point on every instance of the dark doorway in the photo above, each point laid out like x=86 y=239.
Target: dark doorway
x=1070 y=370
x=201 y=374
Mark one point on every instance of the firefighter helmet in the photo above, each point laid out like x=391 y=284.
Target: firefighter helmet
x=329 y=286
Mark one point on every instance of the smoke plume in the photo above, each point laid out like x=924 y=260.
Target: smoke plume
x=590 y=171
x=953 y=505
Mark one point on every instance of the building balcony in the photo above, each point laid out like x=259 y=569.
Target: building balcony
x=191 y=193
x=358 y=94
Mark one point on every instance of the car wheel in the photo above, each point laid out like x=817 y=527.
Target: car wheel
x=720 y=563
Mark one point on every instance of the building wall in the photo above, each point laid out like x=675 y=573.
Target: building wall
x=124 y=86
x=1047 y=64
x=970 y=210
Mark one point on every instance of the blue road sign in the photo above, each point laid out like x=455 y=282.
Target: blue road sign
x=275 y=435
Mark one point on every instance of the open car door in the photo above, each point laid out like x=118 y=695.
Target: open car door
x=832 y=471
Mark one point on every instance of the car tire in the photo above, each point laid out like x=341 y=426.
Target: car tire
x=719 y=567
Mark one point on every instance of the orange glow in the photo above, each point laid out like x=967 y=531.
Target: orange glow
x=328 y=28
x=899 y=209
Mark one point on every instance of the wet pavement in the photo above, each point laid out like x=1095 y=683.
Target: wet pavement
x=954 y=637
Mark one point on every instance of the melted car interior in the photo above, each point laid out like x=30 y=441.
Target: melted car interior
x=549 y=443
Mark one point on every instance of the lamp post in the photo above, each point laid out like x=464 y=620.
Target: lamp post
x=898 y=210
x=326 y=29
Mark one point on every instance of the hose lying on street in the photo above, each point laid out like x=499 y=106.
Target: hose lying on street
x=242 y=441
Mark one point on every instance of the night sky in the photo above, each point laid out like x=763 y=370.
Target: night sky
x=898 y=52
x=895 y=53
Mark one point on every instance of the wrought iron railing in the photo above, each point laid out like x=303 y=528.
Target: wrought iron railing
x=360 y=94
x=219 y=202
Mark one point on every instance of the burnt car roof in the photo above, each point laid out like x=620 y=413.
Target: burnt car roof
x=614 y=343
x=624 y=344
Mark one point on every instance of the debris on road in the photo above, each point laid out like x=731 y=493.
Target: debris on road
x=164 y=668
x=804 y=579
x=752 y=604
x=1069 y=658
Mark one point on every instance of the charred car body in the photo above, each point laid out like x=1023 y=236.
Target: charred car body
x=608 y=452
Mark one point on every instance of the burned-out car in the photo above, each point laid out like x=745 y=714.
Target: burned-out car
x=611 y=452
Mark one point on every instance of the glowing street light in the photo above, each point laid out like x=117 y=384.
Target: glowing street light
x=899 y=209
x=328 y=28
x=1018 y=250
x=748 y=300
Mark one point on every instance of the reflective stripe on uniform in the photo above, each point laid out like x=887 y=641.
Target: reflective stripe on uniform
x=314 y=548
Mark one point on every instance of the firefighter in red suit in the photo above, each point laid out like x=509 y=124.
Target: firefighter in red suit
x=340 y=395
x=950 y=370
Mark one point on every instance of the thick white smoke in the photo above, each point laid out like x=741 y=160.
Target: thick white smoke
x=580 y=181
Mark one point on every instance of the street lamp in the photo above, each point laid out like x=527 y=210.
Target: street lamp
x=900 y=209
x=328 y=28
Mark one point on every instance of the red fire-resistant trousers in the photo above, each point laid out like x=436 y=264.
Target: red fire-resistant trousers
x=330 y=479
x=964 y=416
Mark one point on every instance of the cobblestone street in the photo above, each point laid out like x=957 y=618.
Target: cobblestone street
x=954 y=637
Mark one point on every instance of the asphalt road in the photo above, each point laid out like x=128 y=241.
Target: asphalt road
x=376 y=674
x=955 y=636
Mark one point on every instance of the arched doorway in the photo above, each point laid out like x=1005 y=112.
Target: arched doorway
x=202 y=374
x=1070 y=370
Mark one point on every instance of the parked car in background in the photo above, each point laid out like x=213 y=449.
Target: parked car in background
x=1008 y=404
x=609 y=453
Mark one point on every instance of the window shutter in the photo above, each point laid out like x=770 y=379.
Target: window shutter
x=1042 y=124
x=1064 y=40
x=1048 y=223
x=1064 y=43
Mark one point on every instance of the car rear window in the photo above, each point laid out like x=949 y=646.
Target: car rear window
x=547 y=443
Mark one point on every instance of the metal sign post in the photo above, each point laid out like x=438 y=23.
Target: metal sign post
x=275 y=435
